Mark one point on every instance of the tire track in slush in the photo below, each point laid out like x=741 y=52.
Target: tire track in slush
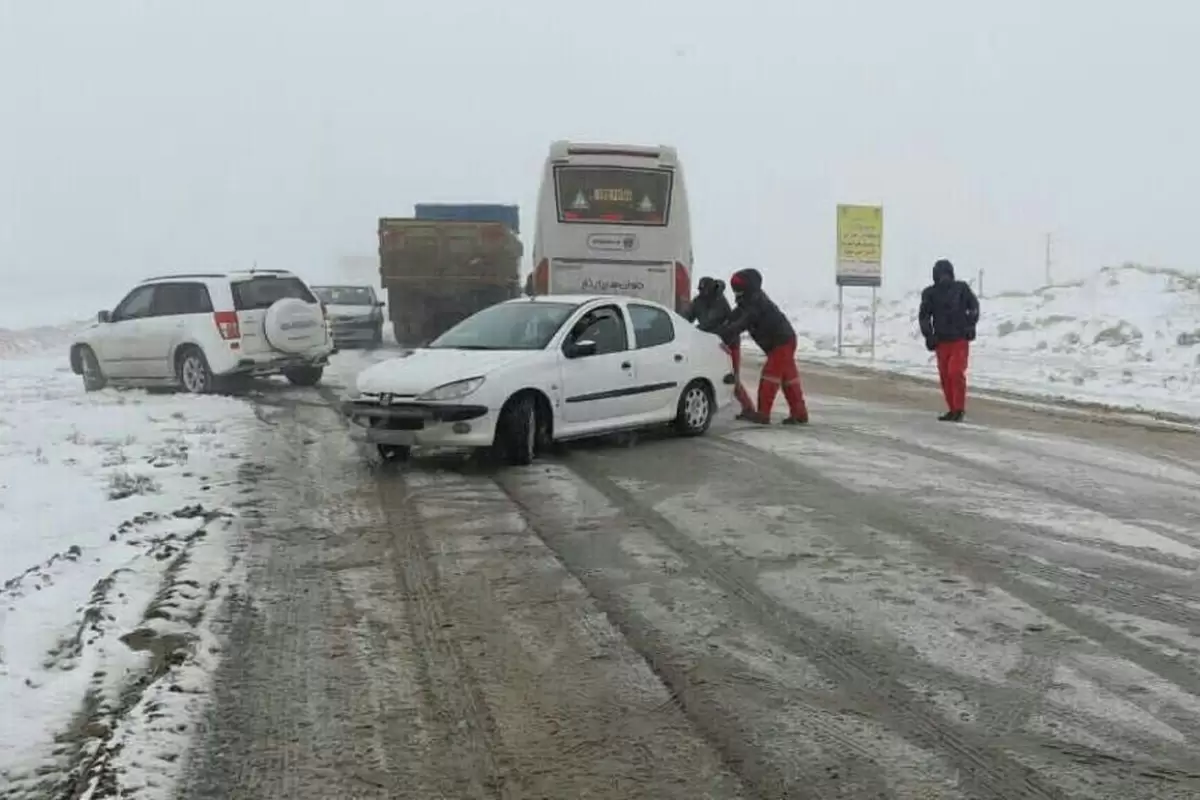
x=967 y=558
x=554 y=702
x=983 y=770
x=450 y=687
x=988 y=771
x=973 y=559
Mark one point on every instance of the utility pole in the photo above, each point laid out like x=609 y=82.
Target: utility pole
x=1048 y=241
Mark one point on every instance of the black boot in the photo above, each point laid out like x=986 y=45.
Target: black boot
x=947 y=417
x=958 y=416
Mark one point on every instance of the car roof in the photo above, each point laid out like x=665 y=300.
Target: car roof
x=341 y=286
x=241 y=274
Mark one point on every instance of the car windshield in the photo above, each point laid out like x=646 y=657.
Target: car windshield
x=345 y=295
x=523 y=325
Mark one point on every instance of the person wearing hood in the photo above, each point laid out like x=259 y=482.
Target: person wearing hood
x=948 y=315
x=709 y=310
x=756 y=314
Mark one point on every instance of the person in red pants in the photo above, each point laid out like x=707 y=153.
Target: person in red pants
x=756 y=314
x=709 y=310
x=948 y=316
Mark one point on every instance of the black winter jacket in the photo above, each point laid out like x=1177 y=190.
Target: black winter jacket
x=710 y=309
x=757 y=315
x=949 y=309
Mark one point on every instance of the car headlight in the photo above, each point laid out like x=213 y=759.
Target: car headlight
x=452 y=391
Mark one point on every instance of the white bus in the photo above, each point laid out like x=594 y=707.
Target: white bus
x=613 y=219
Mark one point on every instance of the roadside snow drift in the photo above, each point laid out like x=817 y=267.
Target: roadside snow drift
x=117 y=533
x=1128 y=336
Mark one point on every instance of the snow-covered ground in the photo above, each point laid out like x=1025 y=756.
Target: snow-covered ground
x=119 y=534
x=1127 y=337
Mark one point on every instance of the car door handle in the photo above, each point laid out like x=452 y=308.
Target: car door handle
x=678 y=357
x=626 y=365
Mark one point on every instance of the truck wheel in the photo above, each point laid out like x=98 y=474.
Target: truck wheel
x=304 y=376
x=517 y=432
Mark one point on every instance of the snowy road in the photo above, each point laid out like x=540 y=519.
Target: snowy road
x=876 y=606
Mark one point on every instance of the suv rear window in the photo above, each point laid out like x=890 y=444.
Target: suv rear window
x=263 y=292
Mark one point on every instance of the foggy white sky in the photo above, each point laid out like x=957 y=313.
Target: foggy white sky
x=138 y=138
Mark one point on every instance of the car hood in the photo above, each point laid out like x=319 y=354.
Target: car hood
x=418 y=371
x=336 y=311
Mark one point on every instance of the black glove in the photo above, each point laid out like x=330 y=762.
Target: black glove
x=970 y=334
x=930 y=344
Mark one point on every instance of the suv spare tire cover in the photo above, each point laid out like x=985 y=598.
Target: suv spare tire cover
x=294 y=326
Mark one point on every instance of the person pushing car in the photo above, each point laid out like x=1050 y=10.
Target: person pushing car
x=709 y=310
x=948 y=314
x=756 y=314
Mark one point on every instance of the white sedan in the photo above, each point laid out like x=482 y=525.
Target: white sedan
x=530 y=371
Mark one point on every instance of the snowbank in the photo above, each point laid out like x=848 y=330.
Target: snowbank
x=1128 y=336
x=116 y=524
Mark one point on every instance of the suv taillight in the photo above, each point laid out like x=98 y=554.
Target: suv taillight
x=227 y=324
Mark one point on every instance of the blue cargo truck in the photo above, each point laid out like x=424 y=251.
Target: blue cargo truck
x=445 y=263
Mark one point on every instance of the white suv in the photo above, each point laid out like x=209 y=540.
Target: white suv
x=193 y=330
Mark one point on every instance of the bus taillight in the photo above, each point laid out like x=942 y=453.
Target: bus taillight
x=541 y=277
x=683 y=286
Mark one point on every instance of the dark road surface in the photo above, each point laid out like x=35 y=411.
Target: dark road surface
x=876 y=606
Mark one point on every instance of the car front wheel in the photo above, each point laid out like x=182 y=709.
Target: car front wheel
x=517 y=432
x=394 y=452
x=696 y=409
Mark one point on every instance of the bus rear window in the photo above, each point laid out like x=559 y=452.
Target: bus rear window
x=613 y=195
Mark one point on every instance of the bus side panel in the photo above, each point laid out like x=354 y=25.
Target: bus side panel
x=646 y=281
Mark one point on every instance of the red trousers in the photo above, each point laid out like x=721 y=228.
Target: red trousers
x=952 y=372
x=739 y=391
x=781 y=371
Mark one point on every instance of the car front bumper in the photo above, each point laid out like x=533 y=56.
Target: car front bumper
x=414 y=424
x=356 y=332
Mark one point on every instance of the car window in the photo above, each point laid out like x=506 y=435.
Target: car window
x=651 y=326
x=507 y=326
x=171 y=299
x=345 y=295
x=136 y=305
x=261 y=292
x=605 y=326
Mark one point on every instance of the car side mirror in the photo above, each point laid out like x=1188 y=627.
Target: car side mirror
x=104 y=316
x=582 y=349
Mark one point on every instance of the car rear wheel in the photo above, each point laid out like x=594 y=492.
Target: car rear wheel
x=89 y=366
x=696 y=409
x=304 y=376
x=192 y=371
x=517 y=432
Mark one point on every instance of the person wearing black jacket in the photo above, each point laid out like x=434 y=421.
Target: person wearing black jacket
x=709 y=310
x=756 y=314
x=948 y=315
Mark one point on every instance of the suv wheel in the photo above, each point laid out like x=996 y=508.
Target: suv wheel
x=192 y=371
x=304 y=376
x=89 y=367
